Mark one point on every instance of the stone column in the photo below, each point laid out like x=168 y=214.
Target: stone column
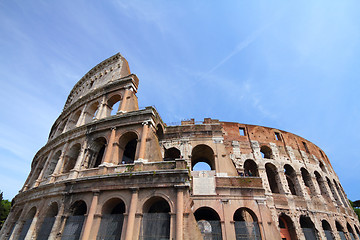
x=109 y=151
x=57 y=223
x=62 y=226
x=90 y=216
x=82 y=118
x=122 y=106
x=103 y=108
x=172 y=225
x=179 y=212
x=143 y=140
x=131 y=216
x=228 y=227
x=284 y=183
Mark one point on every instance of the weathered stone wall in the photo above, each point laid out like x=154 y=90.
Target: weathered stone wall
x=96 y=162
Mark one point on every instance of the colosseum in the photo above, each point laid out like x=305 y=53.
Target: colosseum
x=113 y=171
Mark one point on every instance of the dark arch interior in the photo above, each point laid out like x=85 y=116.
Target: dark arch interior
x=129 y=152
x=72 y=157
x=271 y=173
x=339 y=228
x=98 y=148
x=171 y=154
x=206 y=213
x=325 y=225
x=322 y=167
x=357 y=231
x=349 y=228
x=305 y=222
x=286 y=222
x=244 y=215
x=202 y=153
x=129 y=143
x=79 y=208
x=250 y=168
x=53 y=210
x=53 y=162
x=290 y=178
x=99 y=156
x=266 y=152
x=114 y=206
x=31 y=213
x=159 y=132
x=156 y=205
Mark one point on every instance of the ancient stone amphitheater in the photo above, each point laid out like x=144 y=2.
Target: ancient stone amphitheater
x=113 y=171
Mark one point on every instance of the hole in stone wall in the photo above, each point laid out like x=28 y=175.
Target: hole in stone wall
x=266 y=152
x=171 y=154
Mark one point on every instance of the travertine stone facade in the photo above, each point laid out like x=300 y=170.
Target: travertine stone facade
x=113 y=171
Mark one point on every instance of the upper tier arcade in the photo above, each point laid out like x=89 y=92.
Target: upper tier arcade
x=107 y=71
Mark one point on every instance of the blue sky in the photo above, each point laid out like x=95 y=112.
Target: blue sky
x=291 y=66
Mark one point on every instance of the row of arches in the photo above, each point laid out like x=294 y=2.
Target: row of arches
x=155 y=223
x=288 y=232
x=274 y=179
x=90 y=155
x=96 y=110
x=245 y=224
x=266 y=152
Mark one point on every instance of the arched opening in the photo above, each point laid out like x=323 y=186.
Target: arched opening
x=61 y=127
x=13 y=224
x=71 y=157
x=340 y=230
x=97 y=151
x=322 y=186
x=266 y=152
x=351 y=232
x=208 y=222
x=128 y=144
x=290 y=175
x=246 y=225
x=333 y=191
x=307 y=181
x=159 y=132
x=273 y=177
x=340 y=193
x=73 y=120
x=308 y=228
x=112 y=219
x=92 y=112
x=322 y=167
x=250 y=168
x=357 y=231
x=75 y=221
x=114 y=104
x=48 y=222
x=327 y=230
x=28 y=220
x=287 y=229
x=171 y=154
x=156 y=219
x=52 y=164
x=202 y=154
